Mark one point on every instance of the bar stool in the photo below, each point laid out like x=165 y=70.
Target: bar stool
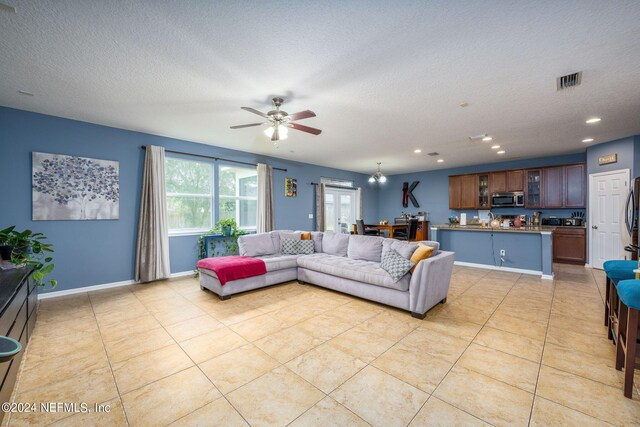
x=615 y=270
x=627 y=348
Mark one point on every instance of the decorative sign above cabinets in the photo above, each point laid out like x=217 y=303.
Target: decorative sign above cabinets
x=609 y=158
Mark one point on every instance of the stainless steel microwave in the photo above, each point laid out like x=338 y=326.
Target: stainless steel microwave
x=507 y=200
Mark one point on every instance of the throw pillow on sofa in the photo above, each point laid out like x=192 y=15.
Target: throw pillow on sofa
x=335 y=244
x=423 y=252
x=395 y=264
x=406 y=249
x=305 y=247
x=289 y=246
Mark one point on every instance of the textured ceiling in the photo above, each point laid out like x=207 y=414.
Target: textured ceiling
x=383 y=77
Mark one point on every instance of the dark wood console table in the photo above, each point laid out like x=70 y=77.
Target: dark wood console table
x=18 y=308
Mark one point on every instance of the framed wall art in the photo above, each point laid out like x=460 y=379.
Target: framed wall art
x=74 y=188
x=291 y=187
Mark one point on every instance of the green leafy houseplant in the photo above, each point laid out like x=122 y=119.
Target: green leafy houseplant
x=229 y=245
x=26 y=248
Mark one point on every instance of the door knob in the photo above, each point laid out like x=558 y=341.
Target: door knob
x=595 y=227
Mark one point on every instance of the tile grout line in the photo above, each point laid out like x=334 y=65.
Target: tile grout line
x=462 y=353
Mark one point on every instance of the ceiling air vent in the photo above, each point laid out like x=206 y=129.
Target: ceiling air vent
x=570 y=80
x=435 y=153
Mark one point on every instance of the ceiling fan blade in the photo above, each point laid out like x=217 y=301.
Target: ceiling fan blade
x=254 y=111
x=276 y=134
x=305 y=128
x=302 y=115
x=249 y=125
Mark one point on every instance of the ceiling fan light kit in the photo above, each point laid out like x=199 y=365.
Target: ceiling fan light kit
x=280 y=121
x=378 y=176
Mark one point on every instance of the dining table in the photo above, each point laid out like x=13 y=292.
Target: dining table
x=391 y=228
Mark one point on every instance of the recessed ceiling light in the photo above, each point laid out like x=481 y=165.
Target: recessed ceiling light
x=495 y=147
x=440 y=160
x=417 y=150
x=587 y=140
x=7 y=8
x=501 y=152
x=477 y=137
x=593 y=120
x=487 y=138
x=24 y=92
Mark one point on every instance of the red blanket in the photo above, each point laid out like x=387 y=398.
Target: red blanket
x=234 y=267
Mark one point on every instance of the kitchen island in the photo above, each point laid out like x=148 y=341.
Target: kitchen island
x=527 y=250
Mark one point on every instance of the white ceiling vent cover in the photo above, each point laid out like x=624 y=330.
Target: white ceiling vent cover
x=568 y=81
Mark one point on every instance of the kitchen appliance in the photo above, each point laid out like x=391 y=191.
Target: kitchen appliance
x=573 y=222
x=631 y=216
x=463 y=219
x=507 y=200
x=554 y=221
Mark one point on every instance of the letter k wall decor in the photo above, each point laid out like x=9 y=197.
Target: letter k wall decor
x=407 y=195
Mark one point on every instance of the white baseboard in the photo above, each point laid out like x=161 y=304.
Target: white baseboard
x=509 y=269
x=54 y=294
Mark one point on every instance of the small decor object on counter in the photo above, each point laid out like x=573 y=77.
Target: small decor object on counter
x=74 y=188
x=454 y=219
x=384 y=222
x=517 y=223
x=291 y=187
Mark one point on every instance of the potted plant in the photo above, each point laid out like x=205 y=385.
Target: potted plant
x=26 y=248
x=226 y=227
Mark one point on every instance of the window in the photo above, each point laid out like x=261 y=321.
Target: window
x=238 y=194
x=189 y=195
x=336 y=182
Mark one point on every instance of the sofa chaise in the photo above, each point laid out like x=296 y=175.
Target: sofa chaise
x=346 y=263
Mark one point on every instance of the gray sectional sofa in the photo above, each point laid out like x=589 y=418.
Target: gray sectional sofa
x=345 y=263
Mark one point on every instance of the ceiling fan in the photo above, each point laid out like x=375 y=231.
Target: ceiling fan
x=280 y=121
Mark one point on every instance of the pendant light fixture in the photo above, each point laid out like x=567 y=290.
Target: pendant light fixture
x=378 y=176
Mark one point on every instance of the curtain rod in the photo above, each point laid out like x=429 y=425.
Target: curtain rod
x=335 y=186
x=211 y=157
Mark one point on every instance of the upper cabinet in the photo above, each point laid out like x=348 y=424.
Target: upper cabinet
x=533 y=198
x=484 y=199
x=549 y=188
x=515 y=180
x=468 y=191
x=498 y=182
x=454 y=192
x=553 y=187
x=575 y=186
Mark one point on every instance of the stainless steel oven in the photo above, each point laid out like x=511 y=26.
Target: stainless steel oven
x=507 y=200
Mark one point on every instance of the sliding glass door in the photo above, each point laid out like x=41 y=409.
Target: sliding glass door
x=340 y=209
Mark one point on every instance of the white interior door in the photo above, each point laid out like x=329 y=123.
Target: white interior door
x=339 y=209
x=607 y=196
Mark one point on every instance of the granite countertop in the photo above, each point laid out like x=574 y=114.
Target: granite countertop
x=542 y=228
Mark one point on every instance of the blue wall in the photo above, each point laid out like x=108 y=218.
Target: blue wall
x=433 y=191
x=627 y=154
x=98 y=252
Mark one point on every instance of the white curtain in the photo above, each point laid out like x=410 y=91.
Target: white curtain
x=152 y=249
x=360 y=204
x=265 y=199
x=320 y=207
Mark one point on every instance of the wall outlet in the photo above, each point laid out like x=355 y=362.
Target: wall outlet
x=503 y=252
x=310 y=216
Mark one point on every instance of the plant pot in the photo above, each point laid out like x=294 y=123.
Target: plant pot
x=226 y=231
x=5 y=252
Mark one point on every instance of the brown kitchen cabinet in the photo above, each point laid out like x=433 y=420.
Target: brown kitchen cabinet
x=575 y=189
x=533 y=197
x=484 y=197
x=515 y=180
x=454 y=192
x=498 y=182
x=553 y=187
x=570 y=245
x=468 y=191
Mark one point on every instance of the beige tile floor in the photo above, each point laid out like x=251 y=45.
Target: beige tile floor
x=506 y=349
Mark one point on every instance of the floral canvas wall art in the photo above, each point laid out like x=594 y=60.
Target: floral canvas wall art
x=74 y=188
